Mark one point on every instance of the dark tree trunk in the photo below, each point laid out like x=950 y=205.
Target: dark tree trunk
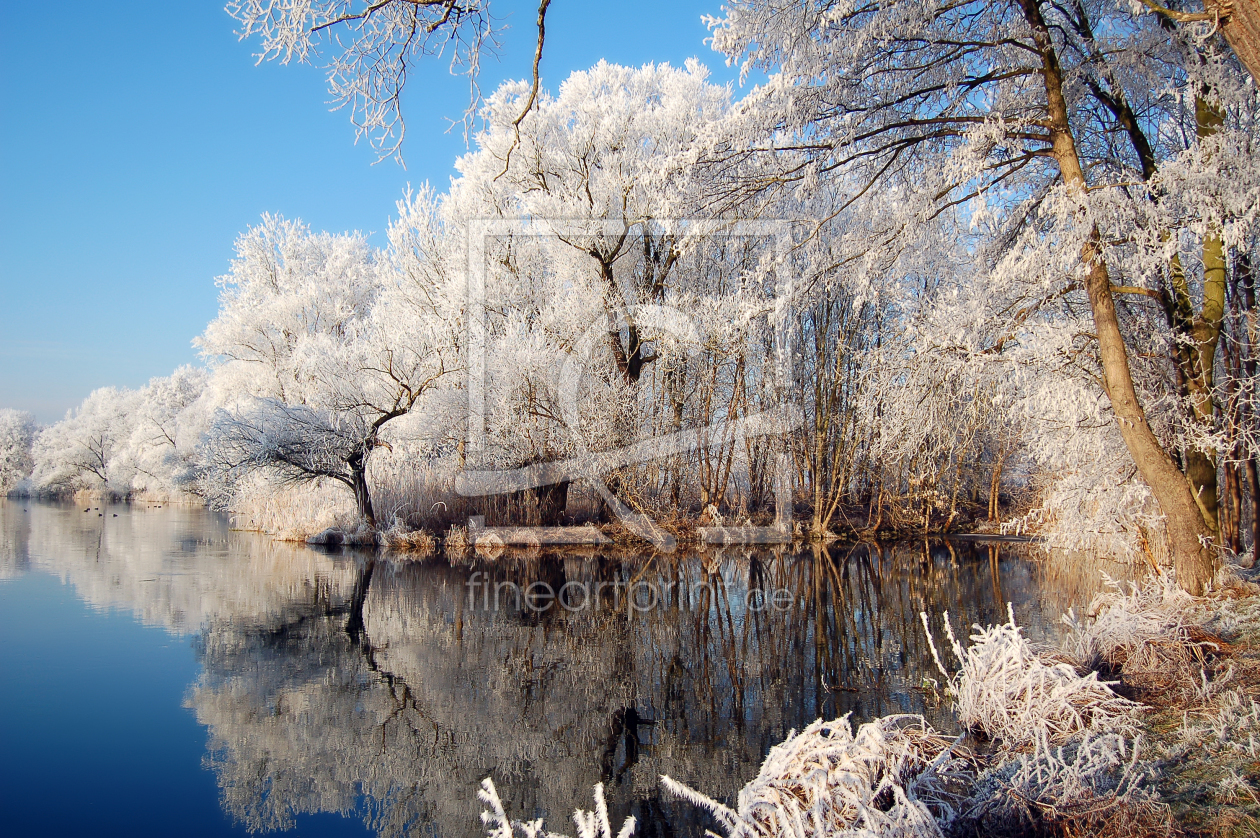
x=1233 y=488
x=630 y=359
x=1253 y=487
x=552 y=501
x=362 y=583
x=358 y=482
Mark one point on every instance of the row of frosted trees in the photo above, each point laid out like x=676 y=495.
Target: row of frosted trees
x=983 y=259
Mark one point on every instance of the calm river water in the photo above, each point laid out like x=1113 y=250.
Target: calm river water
x=161 y=674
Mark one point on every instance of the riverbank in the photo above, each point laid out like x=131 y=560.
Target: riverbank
x=691 y=532
x=1201 y=682
x=1143 y=722
x=326 y=515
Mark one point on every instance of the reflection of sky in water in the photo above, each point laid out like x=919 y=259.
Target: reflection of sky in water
x=384 y=692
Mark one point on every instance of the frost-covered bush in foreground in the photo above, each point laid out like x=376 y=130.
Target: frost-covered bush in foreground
x=1093 y=785
x=1168 y=647
x=589 y=824
x=896 y=776
x=1061 y=761
x=1020 y=698
x=1148 y=633
x=1209 y=766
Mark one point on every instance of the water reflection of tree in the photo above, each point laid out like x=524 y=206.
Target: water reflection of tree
x=378 y=690
x=15 y=537
x=396 y=710
x=177 y=568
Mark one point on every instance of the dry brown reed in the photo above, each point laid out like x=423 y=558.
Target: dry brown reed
x=1148 y=637
x=293 y=512
x=417 y=543
x=456 y=542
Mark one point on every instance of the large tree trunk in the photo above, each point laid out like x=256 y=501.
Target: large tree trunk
x=358 y=482
x=1187 y=531
x=1194 y=561
x=1241 y=29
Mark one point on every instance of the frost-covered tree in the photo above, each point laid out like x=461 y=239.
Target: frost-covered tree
x=598 y=171
x=603 y=164
x=1042 y=121
x=373 y=45
x=285 y=287
x=17 y=434
x=123 y=441
x=1019 y=250
x=81 y=451
x=164 y=446
x=319 y=345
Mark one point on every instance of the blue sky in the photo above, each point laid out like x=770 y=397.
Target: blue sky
x=137 y=142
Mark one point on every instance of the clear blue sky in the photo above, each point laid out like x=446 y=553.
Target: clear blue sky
x=138 y=140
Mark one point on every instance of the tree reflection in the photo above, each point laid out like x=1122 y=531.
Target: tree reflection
x=386 y=691
x=15 y=537
x=393 y=702
x=177 y=568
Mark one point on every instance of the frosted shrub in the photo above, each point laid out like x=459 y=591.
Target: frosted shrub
x=1090 y=786
x=589 y=824
x=1149 y=633
x=1019 y=697
x=290 y=512
x=894 y=777
x=1063 y=759
x=1122 y=622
